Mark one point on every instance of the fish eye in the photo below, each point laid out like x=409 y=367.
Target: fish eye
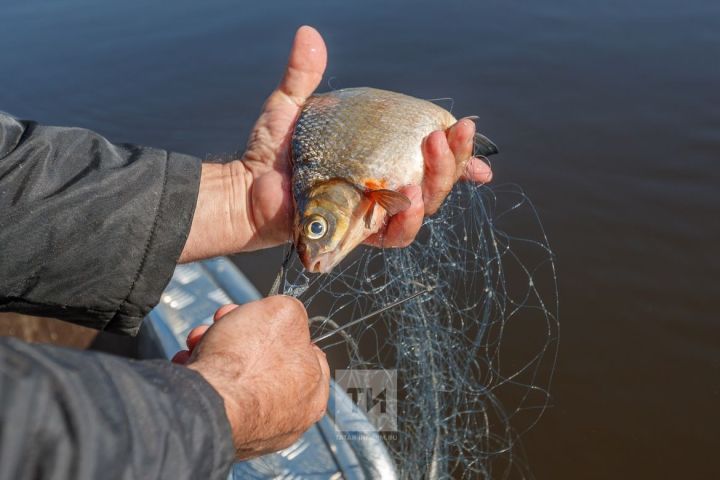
x=316 y=227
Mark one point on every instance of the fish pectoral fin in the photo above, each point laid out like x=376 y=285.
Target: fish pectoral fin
x=393 y=202
x=369 y=215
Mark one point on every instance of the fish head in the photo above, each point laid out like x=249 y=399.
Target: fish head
x=331 y=219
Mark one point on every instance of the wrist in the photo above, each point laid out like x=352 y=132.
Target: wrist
x=221 y=224
x=241 y=407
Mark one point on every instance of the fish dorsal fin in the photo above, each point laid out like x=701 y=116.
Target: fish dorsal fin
x=393 y=202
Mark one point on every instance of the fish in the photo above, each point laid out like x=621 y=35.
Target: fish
x=352 y=151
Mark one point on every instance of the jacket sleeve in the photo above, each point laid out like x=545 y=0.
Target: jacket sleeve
x=89 y=231
x=84 y=415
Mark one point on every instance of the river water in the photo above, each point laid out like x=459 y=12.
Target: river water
x=607 y=113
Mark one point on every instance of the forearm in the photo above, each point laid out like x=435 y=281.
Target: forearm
x=82 y=415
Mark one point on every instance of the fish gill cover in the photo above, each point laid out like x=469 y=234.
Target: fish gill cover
x=475 y=356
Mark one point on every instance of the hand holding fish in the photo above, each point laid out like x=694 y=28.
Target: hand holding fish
x=248 y=204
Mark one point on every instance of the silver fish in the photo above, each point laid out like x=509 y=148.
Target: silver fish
x=352 y=150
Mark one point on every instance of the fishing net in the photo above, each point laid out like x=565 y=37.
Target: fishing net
x=474 y=352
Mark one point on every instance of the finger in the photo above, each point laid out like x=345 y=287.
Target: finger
x=306 y=65
x=403 y=227
x=181 y=357
x=477 y=171
x=323 y=391
x=460 y=139
x=195 y=336
x=439 y=171
x=322 y=360
x=224 y=310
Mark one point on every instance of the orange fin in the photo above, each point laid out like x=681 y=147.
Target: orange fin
x=369 y=215
x=393 y=202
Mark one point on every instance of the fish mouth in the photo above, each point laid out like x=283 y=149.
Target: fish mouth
x=321 y=264
x=315 y=262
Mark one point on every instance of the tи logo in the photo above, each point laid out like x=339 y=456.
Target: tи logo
x=374 y=393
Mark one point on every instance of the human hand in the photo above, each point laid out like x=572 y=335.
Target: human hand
x=448 y=158
x=273 y=380
x=247 y=204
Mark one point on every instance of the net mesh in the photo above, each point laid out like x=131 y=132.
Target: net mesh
x=475 y=355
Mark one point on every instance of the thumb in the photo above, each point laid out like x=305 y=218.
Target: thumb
x=306 y=65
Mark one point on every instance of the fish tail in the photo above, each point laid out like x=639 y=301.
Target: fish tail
x=484 y=146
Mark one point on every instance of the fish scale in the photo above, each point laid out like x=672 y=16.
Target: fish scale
x=362 y=134
x=352 y=151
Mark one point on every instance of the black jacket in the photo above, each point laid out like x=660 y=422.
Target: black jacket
x=90 y=232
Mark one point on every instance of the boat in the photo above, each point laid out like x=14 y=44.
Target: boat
x=343 y=444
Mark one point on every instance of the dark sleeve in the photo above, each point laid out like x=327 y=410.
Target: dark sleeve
x=89 y=231
x=68 y=414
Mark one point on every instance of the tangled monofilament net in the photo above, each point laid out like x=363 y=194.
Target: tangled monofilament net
x=474 y=356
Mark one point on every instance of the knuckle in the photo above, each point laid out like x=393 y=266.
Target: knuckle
x=320 y=405
x=314 y=370
x=292 y=310
x=321 y=356
x=320 y=413
x=287 y=312
x=315 y=411
x=297 y=309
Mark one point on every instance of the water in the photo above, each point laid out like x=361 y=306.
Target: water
x=608 y=114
